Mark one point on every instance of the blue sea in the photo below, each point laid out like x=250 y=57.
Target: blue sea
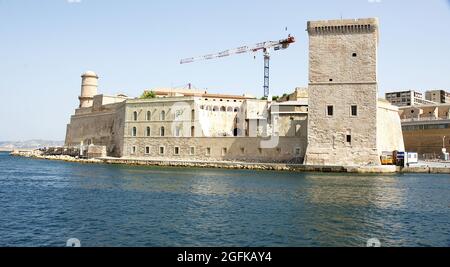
x=44 y=203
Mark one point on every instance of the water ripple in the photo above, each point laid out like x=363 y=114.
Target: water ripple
x=44 y=203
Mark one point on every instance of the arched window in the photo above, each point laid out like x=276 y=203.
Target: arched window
x=236 y=110
x=135 y=116
x=149 y=116
x=193 y=115
x=149 y=131
x=134 y=132
x=193 y=131
x=162 y=116
x=178 y=131
x=215 y=108
x=162 y=132
x=223 y=109
x=229 y=109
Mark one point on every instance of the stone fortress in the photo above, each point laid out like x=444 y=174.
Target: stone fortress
x=337 y=120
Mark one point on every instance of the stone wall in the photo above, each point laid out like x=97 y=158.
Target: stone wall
x=390 y=136
x=286 y=149
x=93 y=152
x=343 y=73
x=103 y=127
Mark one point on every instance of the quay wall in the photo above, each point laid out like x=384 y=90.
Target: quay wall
x=236 y=164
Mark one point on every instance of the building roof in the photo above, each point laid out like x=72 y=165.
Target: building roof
x=300 y=102
x=89 y=74
x=198 y=93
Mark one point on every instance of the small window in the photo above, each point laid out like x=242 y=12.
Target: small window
x=135 y=116
x=354 y=110
x=208 y=151
x=330 y=110
x=133 y=150
x=161 y=150
x=242 y=150
x=148 y=131
x=134 y=132
x=162 y=116
x=260 y=150
x=297 y=151
x=331 y=80
x=349 y=139
x=192 y=151
x=147 y=150
x=162 y=132
x=176 y=151
x=224 y=151
x=149 y=116
x=354 y=55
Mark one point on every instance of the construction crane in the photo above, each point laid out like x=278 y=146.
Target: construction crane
x=265 y=47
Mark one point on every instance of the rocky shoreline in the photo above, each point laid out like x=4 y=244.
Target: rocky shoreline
x=37 y=154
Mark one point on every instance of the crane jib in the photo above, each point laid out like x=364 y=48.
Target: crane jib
x=265 y=46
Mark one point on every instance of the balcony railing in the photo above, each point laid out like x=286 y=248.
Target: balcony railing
x=432 y=118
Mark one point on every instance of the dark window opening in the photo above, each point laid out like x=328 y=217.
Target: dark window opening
x=330 y=110
x=349 y=138
x=354 y=55
x=354 y=111
x=331 y=80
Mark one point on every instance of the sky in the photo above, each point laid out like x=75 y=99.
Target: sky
x=133 y=45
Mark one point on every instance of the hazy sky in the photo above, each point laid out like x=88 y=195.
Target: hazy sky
x=47 y=44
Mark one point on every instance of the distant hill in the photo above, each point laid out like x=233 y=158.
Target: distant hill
x=29 y=144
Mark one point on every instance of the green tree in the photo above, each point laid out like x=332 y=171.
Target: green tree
x=274 y=98
x=148 y=95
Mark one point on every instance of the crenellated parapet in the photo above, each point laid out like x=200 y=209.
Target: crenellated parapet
x=348 y=26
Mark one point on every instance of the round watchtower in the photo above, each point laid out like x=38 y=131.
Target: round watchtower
x=89 y=85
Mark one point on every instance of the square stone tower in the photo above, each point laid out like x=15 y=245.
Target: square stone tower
x=343 y=93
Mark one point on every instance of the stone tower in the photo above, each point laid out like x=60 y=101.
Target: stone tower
x=89 y=85
x=343 y=93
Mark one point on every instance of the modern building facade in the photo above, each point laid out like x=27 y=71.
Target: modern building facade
x=426 y=129
x=407 y=98
x=438 y=96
